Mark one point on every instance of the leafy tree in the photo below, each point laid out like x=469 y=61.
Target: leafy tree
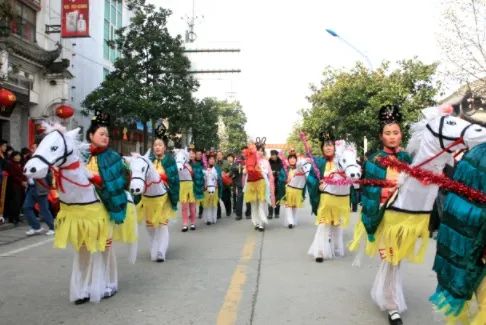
x=234 y=120
x=204 y=124
x=348 y=102
x=151 y=79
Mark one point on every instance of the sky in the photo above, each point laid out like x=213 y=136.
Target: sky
x=285 y=49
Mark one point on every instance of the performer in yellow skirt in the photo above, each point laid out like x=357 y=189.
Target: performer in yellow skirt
x=330 y=204
x=291 y=186
x=111 y=177
x=259 y=187
x=212 y=193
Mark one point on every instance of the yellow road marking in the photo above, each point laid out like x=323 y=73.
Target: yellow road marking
x=229 y=311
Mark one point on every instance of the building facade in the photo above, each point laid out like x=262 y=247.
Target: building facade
x=44 y=70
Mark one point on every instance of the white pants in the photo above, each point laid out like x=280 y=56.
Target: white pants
x=94 y=275
x=159 y=241
x=290 y=216
x=328 y=242
x=259 y=213
x=210 y=214
x=387 y=291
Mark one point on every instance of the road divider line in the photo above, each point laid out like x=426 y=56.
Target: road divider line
x=23 y=249
x=229 y=310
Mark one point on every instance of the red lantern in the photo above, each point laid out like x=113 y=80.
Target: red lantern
x=64 y=111
x=7 y=98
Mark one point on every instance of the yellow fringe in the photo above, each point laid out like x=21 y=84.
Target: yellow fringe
x=127 y=232
x=293 y=197
x=397 y=236
x=82 y=224
x=156 y=210
x=333 y=210
x=210 y=200
x=255 y=191
x=186 y=192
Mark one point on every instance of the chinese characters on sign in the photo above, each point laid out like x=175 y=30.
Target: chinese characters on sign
x=75 y=18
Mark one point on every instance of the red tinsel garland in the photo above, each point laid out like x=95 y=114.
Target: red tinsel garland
x=427 y=177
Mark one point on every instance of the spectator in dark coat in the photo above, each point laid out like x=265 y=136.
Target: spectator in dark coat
x=17 y=184
x=276 y=164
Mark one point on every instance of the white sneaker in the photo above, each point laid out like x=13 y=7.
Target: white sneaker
x=32 y=231
x=50 y=232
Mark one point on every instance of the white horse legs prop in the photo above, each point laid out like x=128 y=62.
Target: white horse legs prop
x=387 y=291
x=258 y=213
x=290 y=216
x=94 y=275
x=159 y=241
x=210 y=214
x=328 y=242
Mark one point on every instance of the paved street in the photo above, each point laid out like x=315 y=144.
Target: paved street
x=221 y=274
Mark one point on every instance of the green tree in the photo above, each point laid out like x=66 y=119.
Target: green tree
x=204 y=124
x=348 y=102
x=234 y=119
x=151 y=79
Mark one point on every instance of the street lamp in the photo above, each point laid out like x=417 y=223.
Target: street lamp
x=334 y=34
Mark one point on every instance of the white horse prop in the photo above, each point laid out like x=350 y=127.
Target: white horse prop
x=82 y=220
x=154 y=207
x=334 y=211
x=211 y=195
x=294 y=191
x=403 y=231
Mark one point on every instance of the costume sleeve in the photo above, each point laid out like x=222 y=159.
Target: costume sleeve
x=281 y=182
x=170 y=168
x=220 y=181
x=313 y=185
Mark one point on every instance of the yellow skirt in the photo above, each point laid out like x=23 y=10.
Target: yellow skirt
x=82 y=224
x=397 y=235
x=210 y=200
x=155 y=210
x=333 y=210
x=293 y=197
x=127 y=232
x=255 y=191
x=186 y=192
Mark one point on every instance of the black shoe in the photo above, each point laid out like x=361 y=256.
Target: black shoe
x=319 y=259
x=208 y=223
x=395 y=319
x=184 y=229
x=277 y=216
x=248 y=217
x=291 y=226
x=193 y=227
x=270 y=217
x=261 y=229
x=199 y=216
x=160 y=260
x=81 y=301
x=238 y=218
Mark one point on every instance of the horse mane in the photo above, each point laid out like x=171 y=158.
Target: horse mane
x=79 y=146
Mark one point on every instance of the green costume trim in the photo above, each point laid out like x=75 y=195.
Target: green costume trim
x=461 y=240
x=313 y=183
x=198 y=179
x=170 y=167
x=115 y=175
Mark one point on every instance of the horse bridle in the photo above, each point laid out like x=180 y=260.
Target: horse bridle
x=64 y=157
x=146 y=172
x=442 y=137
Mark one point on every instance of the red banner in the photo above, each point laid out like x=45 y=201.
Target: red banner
x=75 y=18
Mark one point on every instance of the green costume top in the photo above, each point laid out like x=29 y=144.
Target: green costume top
x=115 y=174
x=198 y=179
x=170 y=168
x=461 y=240
x=313 y=183
x=371 y=214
